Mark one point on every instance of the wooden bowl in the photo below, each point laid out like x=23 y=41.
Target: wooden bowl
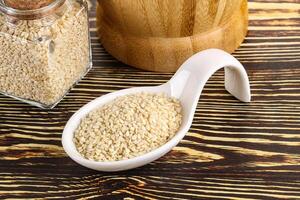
x=159 y=35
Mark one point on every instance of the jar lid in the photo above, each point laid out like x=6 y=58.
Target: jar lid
x=27 y=4
x=29 y=9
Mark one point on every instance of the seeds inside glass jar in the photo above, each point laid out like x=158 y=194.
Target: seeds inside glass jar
x=43 y=53
x=127 y=127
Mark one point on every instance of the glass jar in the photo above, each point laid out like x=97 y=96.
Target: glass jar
x=43 y=51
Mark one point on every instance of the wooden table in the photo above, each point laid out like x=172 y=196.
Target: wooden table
x=233 y=150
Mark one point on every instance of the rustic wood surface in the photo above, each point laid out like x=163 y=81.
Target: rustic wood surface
x=161 y=35
x=232 y=151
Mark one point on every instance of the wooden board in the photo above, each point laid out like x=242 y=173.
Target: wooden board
x=232 y=151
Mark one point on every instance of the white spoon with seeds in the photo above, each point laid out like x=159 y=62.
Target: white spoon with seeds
x=186 y=85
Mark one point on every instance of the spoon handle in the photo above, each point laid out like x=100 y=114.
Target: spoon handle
x=188 y=82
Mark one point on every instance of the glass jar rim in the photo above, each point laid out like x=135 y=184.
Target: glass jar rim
x=28 y=14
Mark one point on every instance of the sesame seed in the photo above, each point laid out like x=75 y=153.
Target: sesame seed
x=145 y=121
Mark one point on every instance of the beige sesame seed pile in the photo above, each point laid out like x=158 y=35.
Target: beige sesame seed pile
x=41 y=59
x=127 y=127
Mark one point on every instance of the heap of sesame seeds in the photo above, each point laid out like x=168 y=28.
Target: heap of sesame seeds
x=127 y=127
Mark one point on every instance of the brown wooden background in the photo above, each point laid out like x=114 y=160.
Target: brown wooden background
x=232 y=151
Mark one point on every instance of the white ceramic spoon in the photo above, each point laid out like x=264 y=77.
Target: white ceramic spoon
x=186 y=85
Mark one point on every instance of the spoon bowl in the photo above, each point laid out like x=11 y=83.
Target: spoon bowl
x=186 y=85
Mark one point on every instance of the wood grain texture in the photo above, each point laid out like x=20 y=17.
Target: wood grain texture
x=232 y=151
x=161 y=35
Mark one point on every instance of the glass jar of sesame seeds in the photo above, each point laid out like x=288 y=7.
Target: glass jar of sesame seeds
x=44 y=49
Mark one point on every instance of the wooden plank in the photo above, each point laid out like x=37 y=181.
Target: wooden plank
x=232 y=151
